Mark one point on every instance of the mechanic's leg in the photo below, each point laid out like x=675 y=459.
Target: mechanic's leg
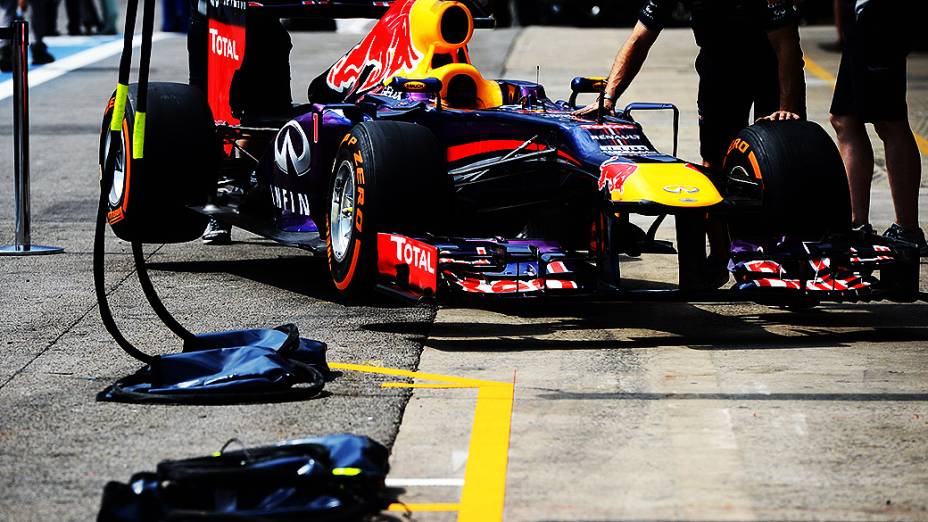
x=73 y=10
x=712 y=142
x=39 y=22
x=857 y=153
x=7 y=12
x=723 y=112
x=51 y=15
x=904 y=168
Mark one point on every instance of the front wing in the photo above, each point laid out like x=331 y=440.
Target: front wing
x=776 y=272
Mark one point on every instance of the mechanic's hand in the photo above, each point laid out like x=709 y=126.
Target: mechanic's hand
x=781 y=116
x=592 y=110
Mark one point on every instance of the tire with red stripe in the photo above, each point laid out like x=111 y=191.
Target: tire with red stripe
x=794 y=170
x=149 y=197
x=388 y=176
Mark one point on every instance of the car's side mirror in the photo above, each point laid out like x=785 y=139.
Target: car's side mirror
x=638 y=106
x=585 y=85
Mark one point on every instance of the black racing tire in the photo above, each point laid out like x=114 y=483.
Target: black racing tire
x=181 y=152
x=391 y=175
x=794 y=169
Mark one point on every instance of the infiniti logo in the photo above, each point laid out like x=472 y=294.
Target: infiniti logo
x=291 y=149
x=680 y=189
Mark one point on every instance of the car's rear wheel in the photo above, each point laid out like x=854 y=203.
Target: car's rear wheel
x=148 y=200
x=388 y=176
x=794 y=170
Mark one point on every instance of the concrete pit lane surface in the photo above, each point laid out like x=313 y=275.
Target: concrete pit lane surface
x=547 y=411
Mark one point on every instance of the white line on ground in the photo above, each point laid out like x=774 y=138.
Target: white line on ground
x=445 y=482
x=75 y=61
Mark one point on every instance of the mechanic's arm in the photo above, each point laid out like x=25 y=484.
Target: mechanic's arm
x=785 y=42
x=626 y=66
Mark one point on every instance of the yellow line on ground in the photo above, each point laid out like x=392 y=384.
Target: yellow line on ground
x=922 y=144
x=423 y=507
x=430 y=385
x=483 y=496
x=824 y=74
x=484 y=492
x=818 y=71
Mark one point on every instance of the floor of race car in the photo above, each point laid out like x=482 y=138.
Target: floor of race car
x=595 y=411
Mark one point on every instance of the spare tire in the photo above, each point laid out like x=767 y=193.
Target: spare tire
x=148 y=199
x=795 y=173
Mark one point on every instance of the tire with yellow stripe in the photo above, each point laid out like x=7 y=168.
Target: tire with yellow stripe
x=793 y=169
x=164 y=160
x=387 y=177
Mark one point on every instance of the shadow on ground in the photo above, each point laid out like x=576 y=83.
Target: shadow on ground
x=304 y=275
x=677 y=324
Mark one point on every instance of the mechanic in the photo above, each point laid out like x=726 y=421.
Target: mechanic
x=871 y=88
x=749 y=54
x=38 y=20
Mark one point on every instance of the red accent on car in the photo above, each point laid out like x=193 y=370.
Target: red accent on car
x=613 y=172
x=225 y=54
x=394 y=251
x=476 y=148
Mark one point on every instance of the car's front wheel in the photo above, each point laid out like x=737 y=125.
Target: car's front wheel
x=793 y=169
x=387 y=177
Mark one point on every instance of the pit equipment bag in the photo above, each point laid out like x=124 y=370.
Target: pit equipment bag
x=230 y=367
x=338 y=477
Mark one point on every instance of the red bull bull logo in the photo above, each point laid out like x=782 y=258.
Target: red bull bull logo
x=613 y=173
x=385 y=51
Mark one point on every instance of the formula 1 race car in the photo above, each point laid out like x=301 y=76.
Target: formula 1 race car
x=414 y=174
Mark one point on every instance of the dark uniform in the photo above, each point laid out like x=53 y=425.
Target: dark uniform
x=737 y=66
x=871 y=79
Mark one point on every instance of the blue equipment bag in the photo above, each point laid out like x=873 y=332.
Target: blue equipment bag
x=238 y=366
x=339 y=477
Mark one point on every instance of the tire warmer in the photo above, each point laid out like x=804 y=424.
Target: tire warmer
x=211 y=367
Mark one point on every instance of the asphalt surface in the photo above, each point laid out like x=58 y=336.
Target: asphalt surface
x=57 y=446
x=648 y=412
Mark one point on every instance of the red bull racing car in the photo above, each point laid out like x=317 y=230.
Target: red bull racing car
x=414 y=174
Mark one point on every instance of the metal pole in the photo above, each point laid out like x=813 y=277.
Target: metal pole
x=23 y=241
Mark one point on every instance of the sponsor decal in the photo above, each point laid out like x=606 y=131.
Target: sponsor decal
x=289 y=200
x=390 y=92
x=681 y=189
x=291 y=149
x=226 y=51
x=414 y=86
x=385 y=51
x=420 y=258
x=612 y=137
x=222 y=45
x=613 y=173
x=626 y=150
x=739 y=144
x=615 y=139
x=231 y=4
x=613 y=126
